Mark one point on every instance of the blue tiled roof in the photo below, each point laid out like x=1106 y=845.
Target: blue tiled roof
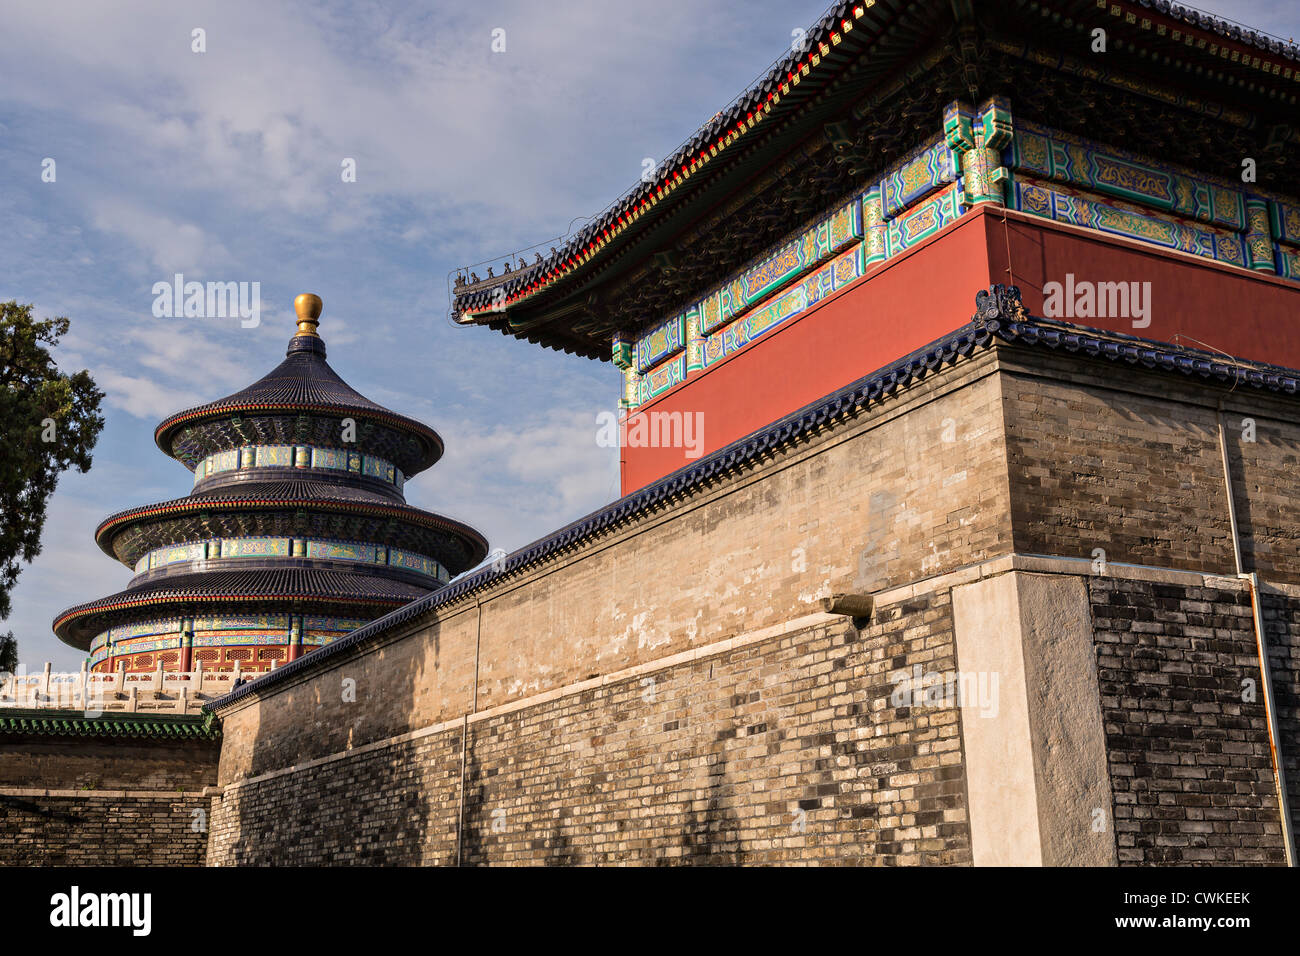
x=304 y=381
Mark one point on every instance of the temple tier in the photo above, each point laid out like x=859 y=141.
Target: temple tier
x=296 y=532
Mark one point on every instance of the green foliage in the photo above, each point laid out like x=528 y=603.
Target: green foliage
x=8 y=653
x=49 y=422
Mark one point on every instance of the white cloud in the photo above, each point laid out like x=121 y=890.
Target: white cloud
x=142 y=397
x=169 y=246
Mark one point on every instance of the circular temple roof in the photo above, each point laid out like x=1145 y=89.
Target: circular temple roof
x=261 y=587
x=299 y=403
x=283 y=495
x=303 y=383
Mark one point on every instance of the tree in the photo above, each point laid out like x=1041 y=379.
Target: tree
x=49 y=422
x=8 y=653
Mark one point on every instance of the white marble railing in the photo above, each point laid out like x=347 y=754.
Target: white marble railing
x=158 y=691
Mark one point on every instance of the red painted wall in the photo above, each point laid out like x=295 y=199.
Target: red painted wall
x=1253 y=315
x=928 y=291
x=902 y=305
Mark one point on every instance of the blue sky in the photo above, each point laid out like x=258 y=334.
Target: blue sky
x=225 y=165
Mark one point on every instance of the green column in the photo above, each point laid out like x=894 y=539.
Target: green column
x=977 y=141
x=622 y=355
x=1258 y=238
x=874 y=228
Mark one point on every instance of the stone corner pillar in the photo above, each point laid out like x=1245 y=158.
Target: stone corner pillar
x=1037 y=778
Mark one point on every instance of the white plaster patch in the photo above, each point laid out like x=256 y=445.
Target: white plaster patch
x=644 y=637
x=518 y=686
x=822 y=592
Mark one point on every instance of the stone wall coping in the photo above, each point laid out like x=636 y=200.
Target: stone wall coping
x=103 y=794
x=122 y=725
x=1057 y=564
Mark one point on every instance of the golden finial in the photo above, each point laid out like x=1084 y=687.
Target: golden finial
x=308 y=307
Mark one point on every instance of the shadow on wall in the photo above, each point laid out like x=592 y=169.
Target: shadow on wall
x=491 y=837
x=37 y=832
x=712 y=834
x=1282 y=632
x=514 y=815
x=1263 y=542
x=375 y=809
x=1264 y=538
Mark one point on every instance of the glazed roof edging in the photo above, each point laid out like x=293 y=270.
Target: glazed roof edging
x=735 y=120
x=108 y=529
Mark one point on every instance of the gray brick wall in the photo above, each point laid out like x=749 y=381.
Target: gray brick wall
x=116 y=830
x=785 y=750
x=1188 y=757
x=1101 y=457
